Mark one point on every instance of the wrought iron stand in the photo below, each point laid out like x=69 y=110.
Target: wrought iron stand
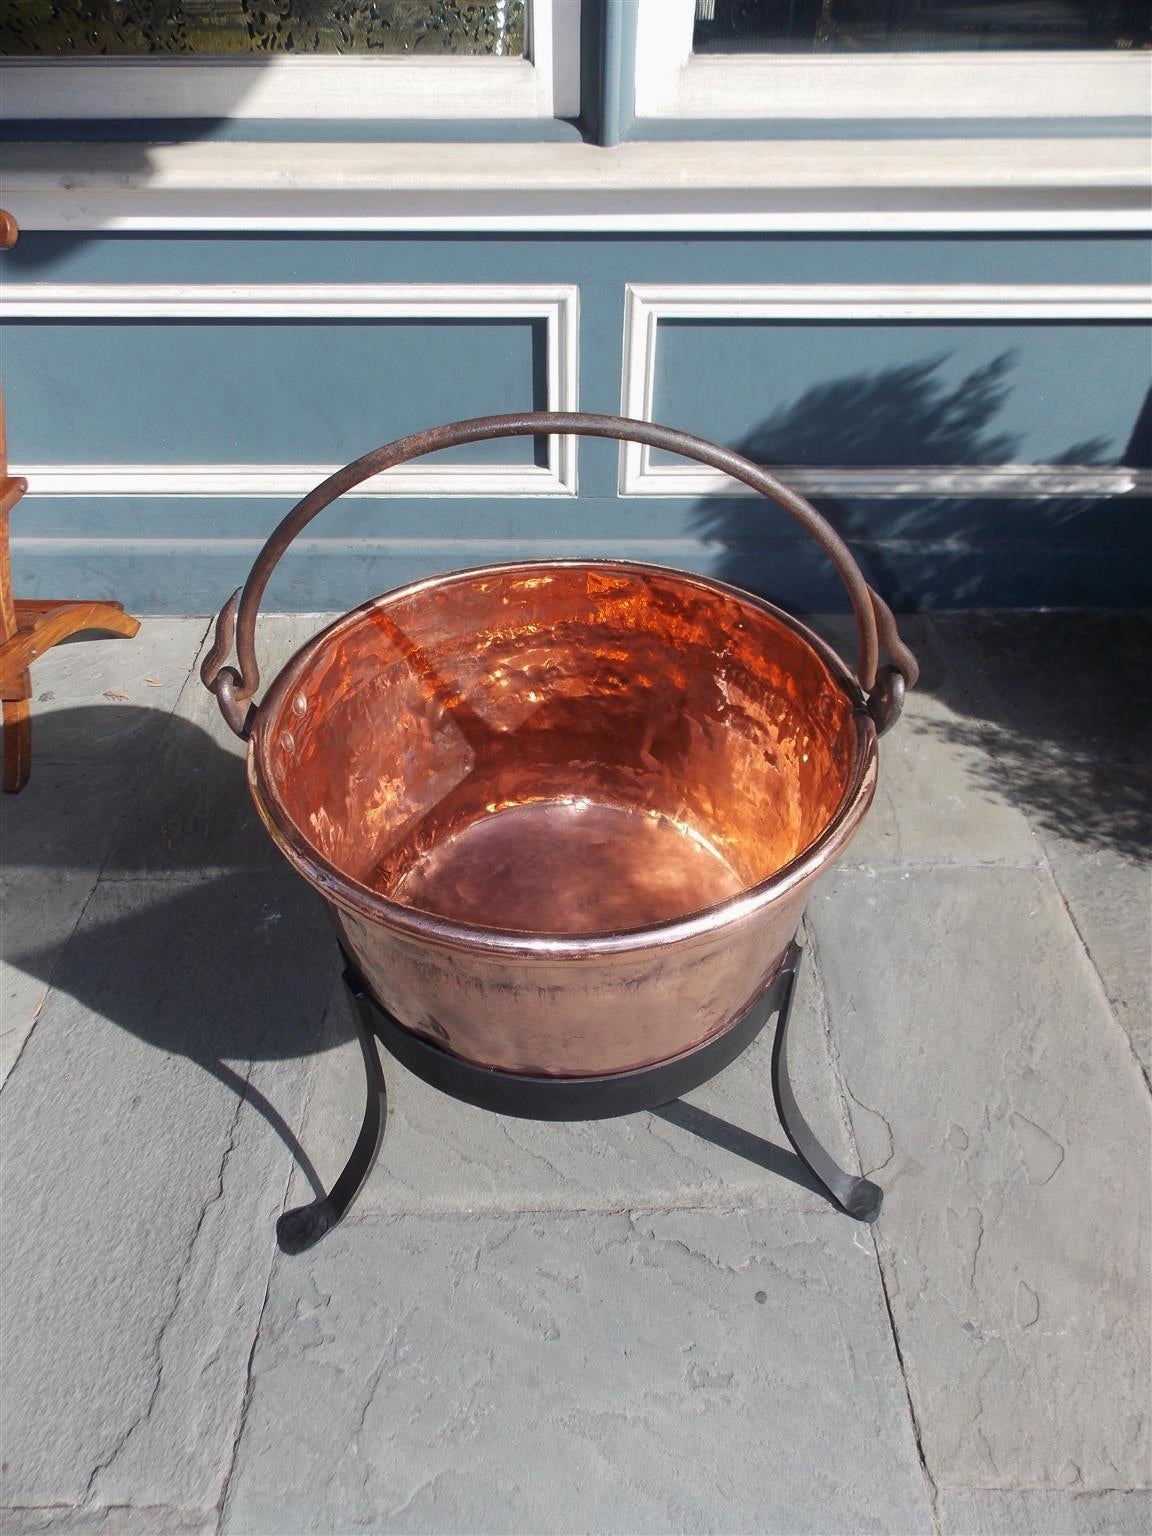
x=569 y=1098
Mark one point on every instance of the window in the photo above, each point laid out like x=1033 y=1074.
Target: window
x=916 y=26
x=891 y=59
x=71 y=28
x=290 y=58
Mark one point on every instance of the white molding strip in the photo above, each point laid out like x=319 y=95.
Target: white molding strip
x=995 y=482
x=277 y=301
x=964 y=87
x=647 y=304
x=556 y=304
x=299 y=87
x=218 y=480
x=1030 y=185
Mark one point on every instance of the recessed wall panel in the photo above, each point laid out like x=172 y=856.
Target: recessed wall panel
x=868 y=393
x=267 y=391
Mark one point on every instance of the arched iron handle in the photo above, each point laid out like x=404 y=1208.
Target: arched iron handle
x=874 y=621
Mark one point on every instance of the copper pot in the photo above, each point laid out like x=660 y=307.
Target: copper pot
x=566 y=815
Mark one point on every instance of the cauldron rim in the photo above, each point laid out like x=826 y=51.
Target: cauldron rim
x=337 y=886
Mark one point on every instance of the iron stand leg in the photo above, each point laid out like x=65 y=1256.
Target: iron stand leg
x=301 y=1228
x=859 y=1197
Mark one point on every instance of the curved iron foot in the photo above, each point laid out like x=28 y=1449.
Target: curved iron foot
x=300 y=1229
x=858 y=1197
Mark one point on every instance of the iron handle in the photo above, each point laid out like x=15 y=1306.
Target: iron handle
x=237 y=620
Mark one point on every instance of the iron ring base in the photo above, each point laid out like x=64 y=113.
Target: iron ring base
x=529 y=1097
x=569 y=1098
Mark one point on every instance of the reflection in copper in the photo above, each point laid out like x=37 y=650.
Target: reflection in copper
x=567 y=813
x=567 y=866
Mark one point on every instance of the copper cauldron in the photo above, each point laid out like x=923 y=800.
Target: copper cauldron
x=566 y=815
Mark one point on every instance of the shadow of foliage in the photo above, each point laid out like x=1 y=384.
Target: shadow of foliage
x=906 y=415
x=1057 y=708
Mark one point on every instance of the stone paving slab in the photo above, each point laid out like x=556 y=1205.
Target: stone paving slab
x=1110 y=899
x=140 y=1191
x=721 y=1144
x=678 y=1371
x=925 y=813
x=54 y=836
x=194 y=814
x=121 y=1520
x=931 y=806
x=102 y=700
x=99 y=707
x=1031 y=1512
x=995 y=1095
x=395 y=1383
x=1060 y=702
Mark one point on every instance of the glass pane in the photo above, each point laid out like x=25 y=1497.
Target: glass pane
x=230 y=28
x=917 y=26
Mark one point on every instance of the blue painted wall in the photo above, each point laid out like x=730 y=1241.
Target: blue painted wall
x=265 y=391
x=907 y=392
x=204 y=392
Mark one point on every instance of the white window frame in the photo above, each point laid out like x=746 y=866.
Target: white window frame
x=543 y=84
x=671 y=82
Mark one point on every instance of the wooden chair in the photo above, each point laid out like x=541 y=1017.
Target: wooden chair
x=29 y=627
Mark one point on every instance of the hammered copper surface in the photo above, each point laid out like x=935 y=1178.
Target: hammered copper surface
x=569 y=866
x=629 y=691
x=573 y=759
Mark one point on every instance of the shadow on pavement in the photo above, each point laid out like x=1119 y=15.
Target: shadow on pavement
x=223 y=968
x=1060 y=717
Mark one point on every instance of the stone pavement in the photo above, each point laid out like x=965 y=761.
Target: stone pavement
x=654 y=1324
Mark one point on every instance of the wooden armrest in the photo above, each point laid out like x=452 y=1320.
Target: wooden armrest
x=11 y=490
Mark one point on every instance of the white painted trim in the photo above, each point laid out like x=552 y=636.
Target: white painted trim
x=671 y=82
x=988 y=482
x=303 y=87
x=563 y=18
x=663 y=53
x=283 y=87
x=261 y=480
x=647 y=216
x=962 y=86
x=556 y=304
x=519 y=548
x=875 y=185
x=646 y=304
x=892 y=301
x=293 y=301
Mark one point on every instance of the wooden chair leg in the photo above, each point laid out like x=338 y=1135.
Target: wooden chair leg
x=17 y=744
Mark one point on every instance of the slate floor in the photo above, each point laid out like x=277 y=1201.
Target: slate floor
x=647 y=1325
